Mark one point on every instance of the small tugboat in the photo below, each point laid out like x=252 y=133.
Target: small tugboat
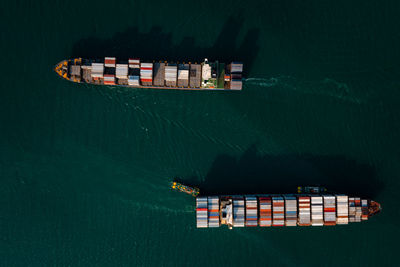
x=193 y=191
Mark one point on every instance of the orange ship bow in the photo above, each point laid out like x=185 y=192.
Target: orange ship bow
x=374 y=208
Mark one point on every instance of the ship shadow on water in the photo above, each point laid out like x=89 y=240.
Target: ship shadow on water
x=159 y=45
x=254 y=173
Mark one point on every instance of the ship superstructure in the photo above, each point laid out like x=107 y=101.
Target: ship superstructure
x=150 y=74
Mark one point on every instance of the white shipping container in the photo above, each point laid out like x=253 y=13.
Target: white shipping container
x=183 y=74
x=121 y=71
x=146 y=65
x=134 y=63
x=304 y=211
x=97 y=70
x=342 y=209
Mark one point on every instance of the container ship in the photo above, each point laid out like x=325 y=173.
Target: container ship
x=310 y=206
x=144 y=74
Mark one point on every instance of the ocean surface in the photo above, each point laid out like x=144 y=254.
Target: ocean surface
x=85 y=170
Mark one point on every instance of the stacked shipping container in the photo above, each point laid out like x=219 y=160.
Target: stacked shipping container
x=97 y=70
x=195 y=75
x=121 y=71
x=133 y=72
x=201 y=212
x=357 y=201
x=183 y=75
x=317 y=216
x=238 y=212
x=213 y=211
x=146 y=73
x=364 y=209
x=304 y=211
x=265 y=211
x=171 y=75
x=342 y=206
x=278 y=211
x=352 y=209
x=236 y=70
x=159 y=74
x=110 y=62
x=290 y=210
x=109 y=70
x=134 y=63
x=329 y=210
x=251 y=211
x=109 y=79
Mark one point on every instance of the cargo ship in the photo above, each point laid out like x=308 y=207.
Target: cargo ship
x=145 y=74
x=310 y=206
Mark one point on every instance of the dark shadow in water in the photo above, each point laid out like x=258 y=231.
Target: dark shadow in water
x=159 y=45
x=255 y=173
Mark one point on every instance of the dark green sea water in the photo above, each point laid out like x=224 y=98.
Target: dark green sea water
x=85 y=170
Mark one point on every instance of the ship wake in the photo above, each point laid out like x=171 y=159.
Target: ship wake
x=326 y=87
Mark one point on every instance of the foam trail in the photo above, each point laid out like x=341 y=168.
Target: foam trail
x=262 y=81
x=326 y=87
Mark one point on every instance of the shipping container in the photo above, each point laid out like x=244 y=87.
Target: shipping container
x=251 y=211
x=329 y=210
x=121 y=71
x=236 y=85
x=146 y=66
x=304 y=210
x=97 y=70
x=134 y=63
x=183 y=75
x=364 y=209
x=352 y=209
x=357 y=201
x=146 y=74
x=195 y=75
x=290 y=210
x=171 y=75
x=342 y=209
x=236 y=67
x=110 y=62
x=109 y=79
x=278 y=211
x=201 y=212
x=159 y=74
x=317 y=216
x=213 y=211
x=265 y=204
x=238 y=212
x=133 y=80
